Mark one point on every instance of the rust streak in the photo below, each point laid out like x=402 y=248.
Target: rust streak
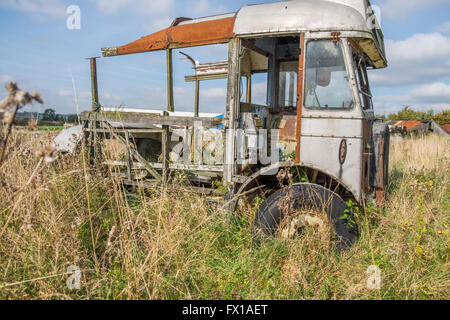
x=301 y=59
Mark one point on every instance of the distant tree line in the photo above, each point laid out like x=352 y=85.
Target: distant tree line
x=409 y=114
x=49 y=115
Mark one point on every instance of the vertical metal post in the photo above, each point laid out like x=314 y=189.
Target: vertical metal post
x=197 y=98
x=232 y=109
x=95 y=108
x=94 y=84
x=170 y=103
x=273 y=83
x=249 y=89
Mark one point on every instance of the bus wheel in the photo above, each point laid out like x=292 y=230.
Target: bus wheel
x=288 y=211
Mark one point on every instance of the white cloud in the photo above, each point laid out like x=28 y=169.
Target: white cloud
x=259 y=92
x=166 y=10
x=401 y=9
x=84 y=98
x=419 y=59
x=156 y=61
x=433 y=93
x=112 y=6
x=211 y=99
x=85 y=95
x=110 y=98
x=144 y=7
x=213 y=93
x=39 y=8
x=443 y=28
x=435 y=96
x=159 y=24
x=65 y=93
x=205 y=7
x=4 y=78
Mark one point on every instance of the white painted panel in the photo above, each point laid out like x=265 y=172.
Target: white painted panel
x=350 y=128
x=310 y=15
x=323 y=154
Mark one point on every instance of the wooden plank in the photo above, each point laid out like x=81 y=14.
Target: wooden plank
x=86 y=134
x=190 y=167
x=206 y=77
x=91 y=143
x=165 y=155
x=146 y=120
x=152 y=184
x=123 y=130
x=137 y=156
x=172 y=166
x=128 y=154
x=135 y=166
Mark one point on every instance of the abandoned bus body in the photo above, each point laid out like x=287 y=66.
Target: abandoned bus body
x=315 y=141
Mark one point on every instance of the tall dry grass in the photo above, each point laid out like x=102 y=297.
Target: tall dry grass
x=170 y=244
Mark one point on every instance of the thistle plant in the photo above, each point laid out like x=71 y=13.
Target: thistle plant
x=9 y=106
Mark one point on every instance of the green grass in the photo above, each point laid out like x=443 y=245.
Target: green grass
x=50 y=128
x=169 y=244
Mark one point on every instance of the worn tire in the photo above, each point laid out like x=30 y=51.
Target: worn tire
x=305 y=196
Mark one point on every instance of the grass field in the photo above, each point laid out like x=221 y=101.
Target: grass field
x=169 y=244
x=50 y=128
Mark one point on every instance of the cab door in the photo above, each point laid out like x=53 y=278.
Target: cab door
x=332 y=124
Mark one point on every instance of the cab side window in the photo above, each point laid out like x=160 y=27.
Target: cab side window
x=363 y=82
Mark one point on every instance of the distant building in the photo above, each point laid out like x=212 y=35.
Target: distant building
x=27 y=115
x=417 y=127
x=446 y=127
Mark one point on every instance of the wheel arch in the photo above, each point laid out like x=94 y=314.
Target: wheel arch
x=259 y=178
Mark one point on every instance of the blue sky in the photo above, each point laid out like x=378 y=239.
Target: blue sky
x=40 y=52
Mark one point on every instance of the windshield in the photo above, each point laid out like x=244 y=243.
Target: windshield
x=326 y=81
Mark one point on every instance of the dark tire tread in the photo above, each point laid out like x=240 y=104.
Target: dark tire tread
x=305 y=196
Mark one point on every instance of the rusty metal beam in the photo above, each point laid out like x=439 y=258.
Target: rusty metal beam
x=179 y=36
x=301 y=60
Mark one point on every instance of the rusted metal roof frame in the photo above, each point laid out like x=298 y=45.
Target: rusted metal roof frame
x=179 y=36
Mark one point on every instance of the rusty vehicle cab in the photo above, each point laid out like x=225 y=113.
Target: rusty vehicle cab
x=312 y=147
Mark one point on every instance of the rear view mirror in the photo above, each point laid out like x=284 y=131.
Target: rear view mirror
x=323 y=77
